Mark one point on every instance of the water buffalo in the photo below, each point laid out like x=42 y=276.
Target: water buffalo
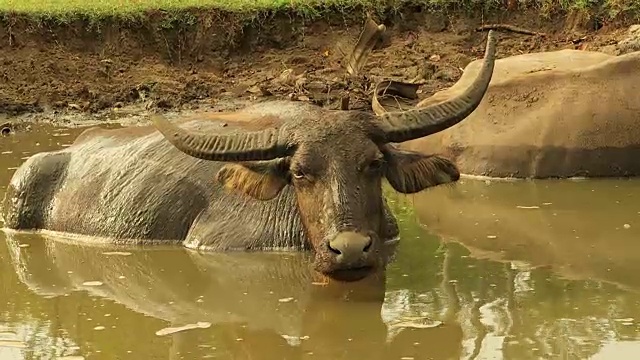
x=274 y=175
x=561 y=114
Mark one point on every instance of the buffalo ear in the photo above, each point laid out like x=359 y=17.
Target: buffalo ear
x=409 y=172
x=261 y=180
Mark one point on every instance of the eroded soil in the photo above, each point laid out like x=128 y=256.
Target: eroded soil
x=53 y=78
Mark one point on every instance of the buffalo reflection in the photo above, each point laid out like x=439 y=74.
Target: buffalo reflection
x=260 y=306
x=579 y=229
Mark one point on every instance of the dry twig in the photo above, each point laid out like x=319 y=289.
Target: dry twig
x=510 y=28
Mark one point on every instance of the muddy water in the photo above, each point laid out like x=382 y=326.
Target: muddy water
x=506 y=270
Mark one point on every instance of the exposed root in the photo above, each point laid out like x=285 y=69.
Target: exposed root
x=509 y=28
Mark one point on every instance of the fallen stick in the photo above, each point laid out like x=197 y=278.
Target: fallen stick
x=344 y=102
x=511 y=28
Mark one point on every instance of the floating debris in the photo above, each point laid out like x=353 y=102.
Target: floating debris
x=92 y=283
x=13 y=344
x=295 y=337
x=173 y=330
x=416 y=322
x=9 y=339
x=120 y=253
x=98 y=328
x=417 y=325
x=491 y=237
x=626 y=226
x=285 y=300
x=24 y=245
x=528 y=207
x=624 y=320
x=294 y=340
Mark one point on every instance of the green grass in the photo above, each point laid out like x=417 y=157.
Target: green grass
x=130 y=6
x=98 y=8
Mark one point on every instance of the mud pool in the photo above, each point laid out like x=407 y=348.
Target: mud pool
x=506 y=270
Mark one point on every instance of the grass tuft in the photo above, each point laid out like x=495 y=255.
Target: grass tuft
x=184 y=13
x=127 y=8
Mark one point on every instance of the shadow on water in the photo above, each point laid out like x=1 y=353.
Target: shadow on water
x=527 y=270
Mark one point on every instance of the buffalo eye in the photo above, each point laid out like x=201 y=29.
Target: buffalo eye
x=375 y=165
x=298 y=174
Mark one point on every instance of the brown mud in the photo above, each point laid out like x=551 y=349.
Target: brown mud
x=52 y=71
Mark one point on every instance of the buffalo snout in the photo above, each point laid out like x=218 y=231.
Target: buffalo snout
x=350 y=247
x=349 y=256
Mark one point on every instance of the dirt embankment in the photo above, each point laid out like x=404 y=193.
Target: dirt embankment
x=199 y=58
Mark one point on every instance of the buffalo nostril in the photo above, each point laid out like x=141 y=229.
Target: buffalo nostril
x=350 y=246
x=368 y=246
x=334 y=250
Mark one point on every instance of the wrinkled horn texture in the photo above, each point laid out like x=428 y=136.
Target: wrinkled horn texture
x=243 y=146
x=407 y=125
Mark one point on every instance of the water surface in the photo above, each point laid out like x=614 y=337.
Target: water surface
x=486 y=270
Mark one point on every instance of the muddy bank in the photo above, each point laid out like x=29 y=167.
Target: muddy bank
x=196 y=59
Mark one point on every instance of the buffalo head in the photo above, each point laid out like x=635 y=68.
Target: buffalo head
x=335 y=161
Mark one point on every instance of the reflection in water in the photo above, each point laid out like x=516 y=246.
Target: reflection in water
x=259 y=305
x=569 y=263
x=541 y=269
x=581 y=229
